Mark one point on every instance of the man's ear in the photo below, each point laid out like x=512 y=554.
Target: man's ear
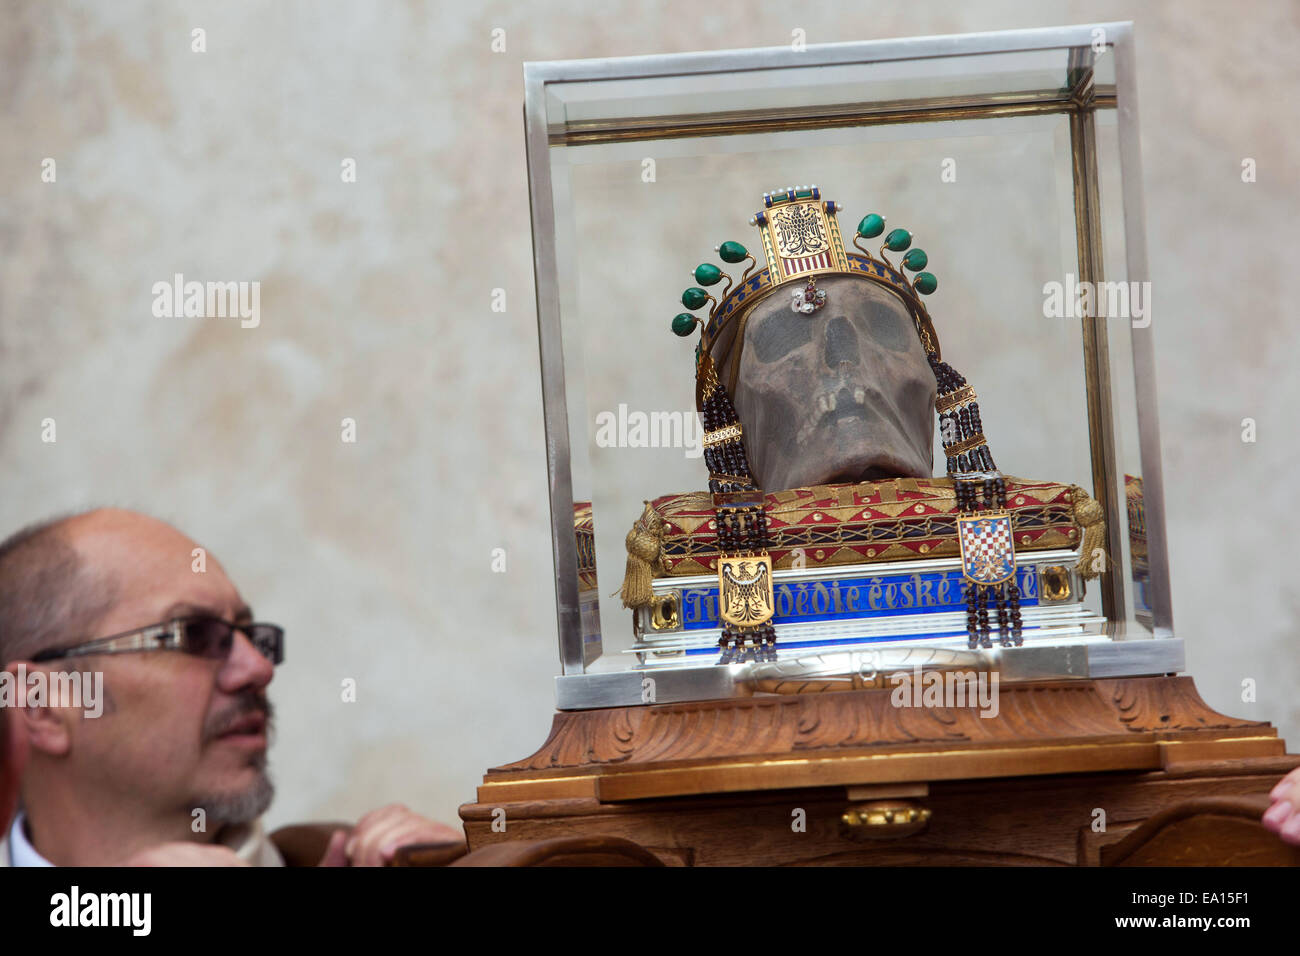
x=44 y=729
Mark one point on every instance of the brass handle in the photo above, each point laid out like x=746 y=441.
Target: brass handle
x=663 y=612
x=884 y=820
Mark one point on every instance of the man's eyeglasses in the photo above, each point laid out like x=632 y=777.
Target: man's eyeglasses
x=201 y=635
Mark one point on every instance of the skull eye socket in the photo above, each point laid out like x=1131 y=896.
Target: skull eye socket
x=890 y=328
x=775 y=336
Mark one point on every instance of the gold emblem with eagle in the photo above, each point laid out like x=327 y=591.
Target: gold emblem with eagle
x=800 y=231
x=745 y=594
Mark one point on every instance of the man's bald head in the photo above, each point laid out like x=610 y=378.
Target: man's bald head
x=49 y=593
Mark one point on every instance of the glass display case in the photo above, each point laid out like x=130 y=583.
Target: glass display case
x=1013 y=158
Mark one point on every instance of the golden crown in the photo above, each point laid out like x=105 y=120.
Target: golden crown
x=801 y=241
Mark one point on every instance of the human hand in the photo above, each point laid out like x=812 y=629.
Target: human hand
x=378 y=836
x=1283 y=817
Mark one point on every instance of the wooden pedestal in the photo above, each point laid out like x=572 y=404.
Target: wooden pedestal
x=1098 y=772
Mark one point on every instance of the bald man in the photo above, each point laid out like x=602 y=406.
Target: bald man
x=172 y=768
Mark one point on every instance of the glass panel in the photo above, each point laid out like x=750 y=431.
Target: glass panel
x=991 y=194
x=1123 y=378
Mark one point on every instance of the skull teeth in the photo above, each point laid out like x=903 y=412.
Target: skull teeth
x=827 y=402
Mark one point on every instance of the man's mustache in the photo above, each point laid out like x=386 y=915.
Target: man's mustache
x=248 y=704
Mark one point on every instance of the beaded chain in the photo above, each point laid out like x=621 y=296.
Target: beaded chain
x=738 y=513
x=979 y=486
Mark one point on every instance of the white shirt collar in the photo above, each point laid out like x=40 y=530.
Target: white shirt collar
x=21 y=851
x=248 y=841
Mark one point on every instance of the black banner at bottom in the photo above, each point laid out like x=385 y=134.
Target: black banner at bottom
x=133 y=906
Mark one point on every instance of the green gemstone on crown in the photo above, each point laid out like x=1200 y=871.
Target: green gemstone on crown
x=898 y=240
x=916 y=260
x=925 y=283
x=693 y=298
x=707 y=274
x=683 y=324
x=871 y=226
x=733 y=252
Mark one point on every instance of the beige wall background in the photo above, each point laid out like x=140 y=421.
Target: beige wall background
x=377 y=556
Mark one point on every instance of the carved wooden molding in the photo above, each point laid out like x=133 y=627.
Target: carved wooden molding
x=1206 y=831
x=592 y=850
x=765 y=741
x=780 y=725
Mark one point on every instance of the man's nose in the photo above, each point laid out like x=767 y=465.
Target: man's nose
x=245 y=667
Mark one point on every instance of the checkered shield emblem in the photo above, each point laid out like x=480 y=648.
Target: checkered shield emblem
x=988 y=555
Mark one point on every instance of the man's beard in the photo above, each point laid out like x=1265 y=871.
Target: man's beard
x=246 y=805
x=242 y=806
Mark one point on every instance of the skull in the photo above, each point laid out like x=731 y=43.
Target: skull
x=842 y=394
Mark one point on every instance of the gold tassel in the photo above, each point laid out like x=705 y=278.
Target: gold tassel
x=644 y=542
x=1089 y=517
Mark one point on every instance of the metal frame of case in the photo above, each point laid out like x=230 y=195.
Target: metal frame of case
x=611 y=683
